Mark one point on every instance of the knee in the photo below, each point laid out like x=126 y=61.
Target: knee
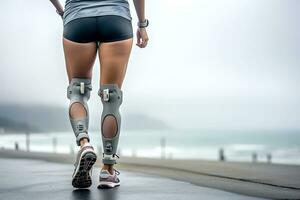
x=79 y=93
x=111 y=97
x=79 y=89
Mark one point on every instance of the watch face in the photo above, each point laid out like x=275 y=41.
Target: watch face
x=143 y=24
x=146 y=22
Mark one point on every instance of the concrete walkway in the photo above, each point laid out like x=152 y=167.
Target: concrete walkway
x=263 y=180
x=33 y=179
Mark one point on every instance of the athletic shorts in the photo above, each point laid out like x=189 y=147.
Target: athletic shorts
x=107 y=28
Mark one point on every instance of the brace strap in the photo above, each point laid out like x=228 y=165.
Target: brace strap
x=110 y=159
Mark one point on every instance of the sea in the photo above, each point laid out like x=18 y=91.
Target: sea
x=281 y=146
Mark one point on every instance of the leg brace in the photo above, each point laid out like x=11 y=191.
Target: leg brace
x=111 y=97
x=79 y=91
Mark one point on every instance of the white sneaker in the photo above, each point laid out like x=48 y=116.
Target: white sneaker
x=85 y=160
x=107 y=180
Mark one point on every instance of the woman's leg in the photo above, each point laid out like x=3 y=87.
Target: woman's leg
x=79 y=58
x=113 y=58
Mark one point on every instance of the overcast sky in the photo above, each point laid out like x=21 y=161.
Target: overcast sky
x=217 y=64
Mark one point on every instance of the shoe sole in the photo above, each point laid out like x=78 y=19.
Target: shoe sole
x=82 y=178
x=105 y=185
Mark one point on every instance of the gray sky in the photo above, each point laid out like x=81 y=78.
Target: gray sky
x=209 y=64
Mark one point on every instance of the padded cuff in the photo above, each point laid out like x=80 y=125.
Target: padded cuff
x=80 y=136
x=109 y=159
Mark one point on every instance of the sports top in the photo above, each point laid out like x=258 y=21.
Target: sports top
x=89 y=8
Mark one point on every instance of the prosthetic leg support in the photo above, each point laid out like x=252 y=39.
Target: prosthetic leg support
x=111 y=97
x=79 y=91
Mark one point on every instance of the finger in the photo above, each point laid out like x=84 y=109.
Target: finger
x=145 y=38
x=138 y=37
x=141 y=45
x=145 y=42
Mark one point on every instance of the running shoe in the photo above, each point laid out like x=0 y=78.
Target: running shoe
x=85 y=160
x=107 y=180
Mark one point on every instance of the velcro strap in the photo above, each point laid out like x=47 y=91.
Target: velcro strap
x=81 y=87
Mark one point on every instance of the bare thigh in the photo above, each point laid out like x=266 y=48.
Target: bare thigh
x=79 y=58
x=114 y=57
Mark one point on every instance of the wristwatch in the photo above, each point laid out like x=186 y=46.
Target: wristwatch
x=143 y=24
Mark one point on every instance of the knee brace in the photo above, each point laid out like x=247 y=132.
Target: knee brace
x=79 y=91
x=111 y=97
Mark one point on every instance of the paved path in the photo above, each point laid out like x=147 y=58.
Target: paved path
x=23 y=179
x=272 y=181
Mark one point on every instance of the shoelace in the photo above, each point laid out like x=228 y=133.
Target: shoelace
x=116 y=171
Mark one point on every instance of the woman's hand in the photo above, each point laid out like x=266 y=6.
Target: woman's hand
x=58 y=6
x=142 y=37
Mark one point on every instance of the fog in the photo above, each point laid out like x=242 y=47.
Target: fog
x=210 y=64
